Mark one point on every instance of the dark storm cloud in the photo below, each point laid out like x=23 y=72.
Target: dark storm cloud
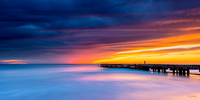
x=35 y=27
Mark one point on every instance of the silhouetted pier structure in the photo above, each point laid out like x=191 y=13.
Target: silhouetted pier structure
x=178 y=69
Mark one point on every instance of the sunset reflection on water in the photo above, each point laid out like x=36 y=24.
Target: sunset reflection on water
x=90 y=82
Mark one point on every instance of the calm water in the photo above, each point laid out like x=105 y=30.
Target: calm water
x=90 y=82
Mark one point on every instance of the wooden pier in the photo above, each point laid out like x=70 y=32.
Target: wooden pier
x=178 y=69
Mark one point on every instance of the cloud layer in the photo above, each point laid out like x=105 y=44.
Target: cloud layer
x=58 y=31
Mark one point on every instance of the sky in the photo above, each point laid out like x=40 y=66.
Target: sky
x=99 y=31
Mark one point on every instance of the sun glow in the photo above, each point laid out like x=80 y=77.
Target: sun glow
x=183 y=49
x=163 y=48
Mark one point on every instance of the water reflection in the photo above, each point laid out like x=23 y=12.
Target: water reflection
x=90 y=82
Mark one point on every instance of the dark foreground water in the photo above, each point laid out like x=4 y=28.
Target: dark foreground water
x=90 y=82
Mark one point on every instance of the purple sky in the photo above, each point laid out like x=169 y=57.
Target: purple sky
x=55 y=31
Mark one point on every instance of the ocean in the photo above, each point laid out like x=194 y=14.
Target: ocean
x=91 y=82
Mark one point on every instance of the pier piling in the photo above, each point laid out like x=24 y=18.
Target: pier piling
x=158 y=69
x=176 y=70
x=173 y=69
x=164 y=70
x=180 y=71
x=188 y=71
x=184 y=72
x=199 y=68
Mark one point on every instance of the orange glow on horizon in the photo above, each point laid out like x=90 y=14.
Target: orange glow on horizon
x=182 y=49
x=13 y=61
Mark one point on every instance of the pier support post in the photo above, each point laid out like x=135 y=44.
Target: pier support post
x=174 y=70
x=180 y=71
x=153 y=69
x=199 y=68
x=164 y=70
x=184 y=72
x=188 y=71
x=158 y=69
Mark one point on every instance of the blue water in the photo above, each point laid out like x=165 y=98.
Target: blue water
x=90 y=82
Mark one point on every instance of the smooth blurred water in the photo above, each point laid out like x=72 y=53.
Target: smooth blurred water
x=90 y=82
